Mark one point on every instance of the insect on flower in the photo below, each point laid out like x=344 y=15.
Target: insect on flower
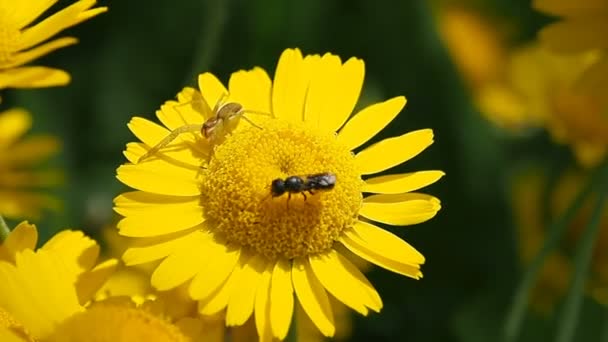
x=224 y=113
x=301 y=184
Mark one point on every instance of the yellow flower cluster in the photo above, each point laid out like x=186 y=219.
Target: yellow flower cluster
x=558 y=83
x=253 y=205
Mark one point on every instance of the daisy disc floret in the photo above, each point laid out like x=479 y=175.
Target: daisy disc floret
x=206 y=208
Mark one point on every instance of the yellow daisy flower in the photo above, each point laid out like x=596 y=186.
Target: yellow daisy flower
x=48 y=296
x=21 y=41
x=540 y=91
x=583 y=28
x=19 y=183
x=478 y=48
x=175 y=306
x=211 y=213
x=555 y=275
x=476 y=45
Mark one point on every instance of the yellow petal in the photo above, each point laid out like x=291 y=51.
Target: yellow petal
x=393 y=151
x=157 y=248
x=212 y=89
x=181 y=265
x=400 y=209
x=151 y=177
x=78 y=251
x=182 y=150
x=345 y=282
x=14 y=123
x=333 y=91
x=401 y=183
x=242 y=298
x=576 y=35
x=262 y=305
x=37 y=292
x=350 y=77
x=290 y=85
x=24 y=236
x=191 y=110
x=33 y=77
x=218 y=299
x=223 y=260
x=90 y=282
x=24 y=13
x=312 y=297
x=384 y=243
x=151 y=215
x=41 y=50
x=358 y=247
x=252 y=89
x=281 y=299
x=369 y=121
x=67 y=17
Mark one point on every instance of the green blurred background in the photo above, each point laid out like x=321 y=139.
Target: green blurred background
x=141 y=53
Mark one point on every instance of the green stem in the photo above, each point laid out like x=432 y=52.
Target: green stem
x=216 y=13
x=4 y=230
x=582 y=260
x=517 y=312
x=604 y=337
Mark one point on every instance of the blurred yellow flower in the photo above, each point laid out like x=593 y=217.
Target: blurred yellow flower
x=20 y=183
x=479 y=49
x=540 y=91
x=21 y=41
x=48 y=295
x=529 y=206
x=476 y=45
x=206 y=209
x=583 y=28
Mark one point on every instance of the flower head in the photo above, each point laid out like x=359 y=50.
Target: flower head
x=44 y=287
x=540 y=91
x=207 y=209
x=583 y=28
x=49 y=295
x=19 y=182
x=21 y=41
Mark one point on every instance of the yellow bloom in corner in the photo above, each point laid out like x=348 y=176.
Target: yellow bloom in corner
x=210 y=205
x=540 y=91
x=21 y=42
x=583 y=28
x=20 y=183
x=47 y=295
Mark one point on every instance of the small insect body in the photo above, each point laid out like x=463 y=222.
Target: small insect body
x=224 y=119
x=303 y=184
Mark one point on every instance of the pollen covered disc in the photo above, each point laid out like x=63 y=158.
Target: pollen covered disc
x=237 y=198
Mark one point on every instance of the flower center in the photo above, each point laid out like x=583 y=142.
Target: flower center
x=237 y=197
